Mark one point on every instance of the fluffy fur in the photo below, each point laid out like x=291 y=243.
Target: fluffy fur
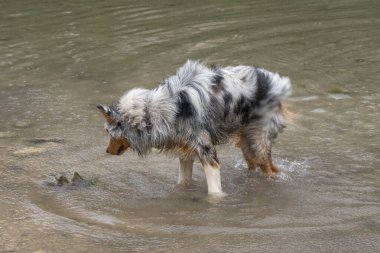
x=200 y=107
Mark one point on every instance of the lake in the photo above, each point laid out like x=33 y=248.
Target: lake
x=58 y=59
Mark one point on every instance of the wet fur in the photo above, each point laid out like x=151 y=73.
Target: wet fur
x=200 y=107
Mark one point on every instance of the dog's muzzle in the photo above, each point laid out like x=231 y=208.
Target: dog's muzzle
x=117 y=147
x=119 y=151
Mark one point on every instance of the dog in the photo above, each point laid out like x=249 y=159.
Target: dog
x=200 y=107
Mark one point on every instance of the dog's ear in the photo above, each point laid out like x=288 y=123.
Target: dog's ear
x=107 y=113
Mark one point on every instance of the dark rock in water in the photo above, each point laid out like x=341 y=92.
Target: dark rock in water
x=76 y=180
x=79 y=180
x=77 y=177
x=44 y=140
x=61 y=180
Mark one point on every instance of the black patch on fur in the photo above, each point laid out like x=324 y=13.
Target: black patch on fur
x=227 y=98
x=185 y=108
x=262 y=85
x=243 y=107
x=217 y=78
x=209 y=154
x=217 y=81
x=255 y=117
x=206 y=149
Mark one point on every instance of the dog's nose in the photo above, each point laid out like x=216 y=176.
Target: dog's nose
x=107 y=151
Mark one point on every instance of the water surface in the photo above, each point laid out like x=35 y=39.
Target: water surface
x=58 y=59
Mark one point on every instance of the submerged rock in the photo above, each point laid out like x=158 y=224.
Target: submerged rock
x=79 y=180
x=28 y=151
x=77 y=177
x=76 y=180
x=61 y=180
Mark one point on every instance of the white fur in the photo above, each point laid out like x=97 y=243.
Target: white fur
x=214 y=183
x=283 y=87
x=185 y=171
x=132 y=106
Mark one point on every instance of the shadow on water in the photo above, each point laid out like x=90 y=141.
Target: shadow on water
x=60 y=191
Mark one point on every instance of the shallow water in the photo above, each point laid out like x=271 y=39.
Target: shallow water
x=59 y=58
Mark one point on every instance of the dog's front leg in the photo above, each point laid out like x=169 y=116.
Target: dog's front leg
x=214 y=184
x=185 y=170
x=208 y=157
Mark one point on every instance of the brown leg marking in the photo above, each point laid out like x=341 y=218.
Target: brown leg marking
x=250 y=159
x=249 y=156
x=268 y=169
x=253 y=160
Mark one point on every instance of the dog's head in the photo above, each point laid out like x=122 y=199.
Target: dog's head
x=114 y=127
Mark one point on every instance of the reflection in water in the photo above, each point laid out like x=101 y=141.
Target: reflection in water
x=58 y=59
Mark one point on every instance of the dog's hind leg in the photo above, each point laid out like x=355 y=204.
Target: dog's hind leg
x=265 y=163
x=248 y=153
x=256 y=144
x=185 y=170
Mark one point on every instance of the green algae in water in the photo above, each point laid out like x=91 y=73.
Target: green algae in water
x=337 y=90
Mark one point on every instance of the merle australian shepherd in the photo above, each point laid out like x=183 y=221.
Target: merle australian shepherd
x=198 y=108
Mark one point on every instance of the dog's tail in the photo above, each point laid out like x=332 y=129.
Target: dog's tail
x=272 y=89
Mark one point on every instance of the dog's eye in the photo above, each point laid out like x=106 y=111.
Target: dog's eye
x=118 y=124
